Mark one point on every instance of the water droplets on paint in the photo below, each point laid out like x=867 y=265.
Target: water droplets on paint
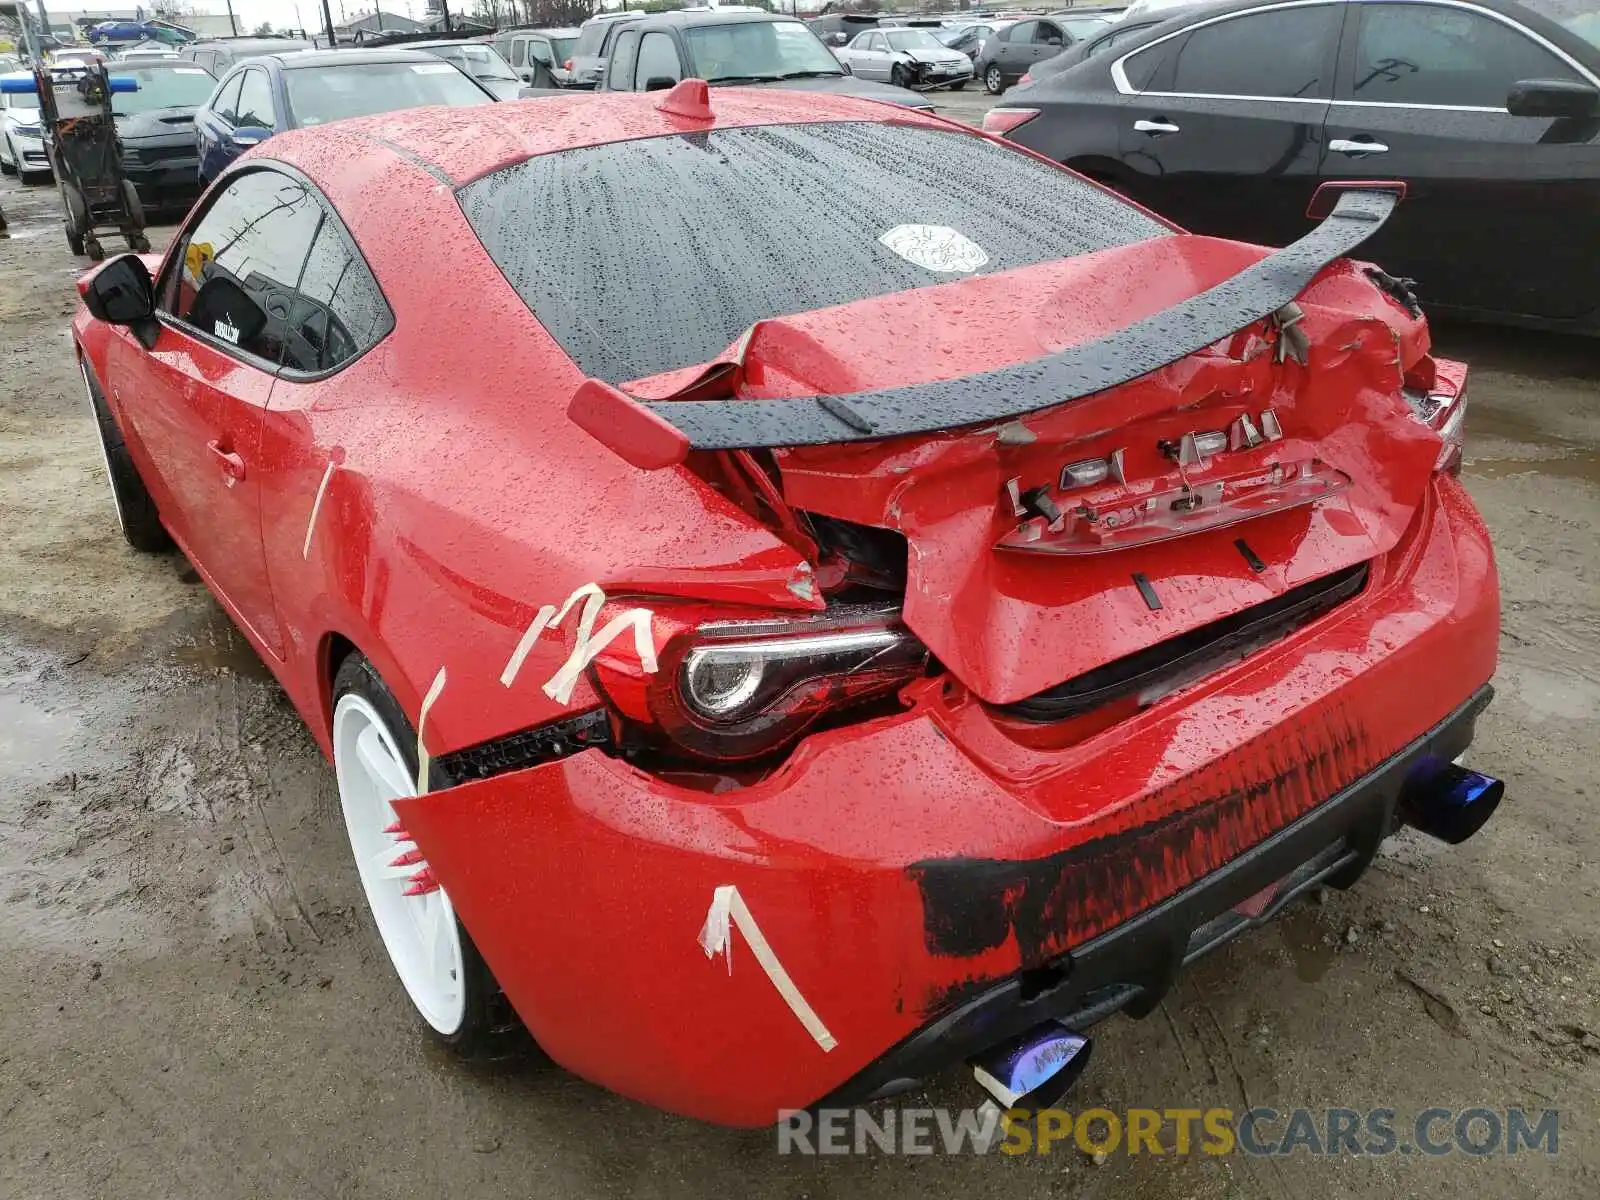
x=936 y=248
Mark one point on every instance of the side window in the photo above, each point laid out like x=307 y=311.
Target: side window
x=1048 y=34
x=519 y=51
x=240 y=263
x=1428 y=54
x=255 y=101
x=539 y=51
x=1279 y=53
x=658 y=59
x=620 y=70
x=338 y=311
x=226 y=104
x=1022 y=32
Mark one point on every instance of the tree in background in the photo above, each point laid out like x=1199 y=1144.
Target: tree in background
x=264 y=29
x=542 y=13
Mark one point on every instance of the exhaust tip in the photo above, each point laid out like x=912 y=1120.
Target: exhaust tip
x=1453 y=804
x=1035 y=1069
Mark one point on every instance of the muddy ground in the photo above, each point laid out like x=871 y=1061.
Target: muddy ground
x=192 y=1002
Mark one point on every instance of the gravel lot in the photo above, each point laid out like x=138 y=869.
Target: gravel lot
x=192 y=1001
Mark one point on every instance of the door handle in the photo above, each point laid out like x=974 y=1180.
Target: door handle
x=1155 y=128
x=232 y=465
x=1357 y=146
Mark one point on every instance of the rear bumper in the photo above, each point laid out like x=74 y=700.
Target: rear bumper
x=1130 y=968
x=916 y=875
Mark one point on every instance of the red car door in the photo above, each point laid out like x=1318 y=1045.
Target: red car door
x=196 y=400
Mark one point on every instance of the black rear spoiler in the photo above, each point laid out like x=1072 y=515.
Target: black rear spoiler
x=659 y=433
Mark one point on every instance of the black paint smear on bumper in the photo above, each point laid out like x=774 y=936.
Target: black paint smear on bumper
x=975 y=905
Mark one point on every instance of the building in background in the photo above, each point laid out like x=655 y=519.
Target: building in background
x=376 y=22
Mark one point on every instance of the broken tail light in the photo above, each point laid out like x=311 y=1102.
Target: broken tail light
x=738 y=689
x=1443 y=409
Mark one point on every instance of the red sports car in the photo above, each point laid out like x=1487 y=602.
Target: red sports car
x=798 y=593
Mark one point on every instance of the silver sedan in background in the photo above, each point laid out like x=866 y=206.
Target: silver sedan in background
x=910 y=58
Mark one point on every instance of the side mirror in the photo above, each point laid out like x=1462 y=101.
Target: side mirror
x=120 y=293
x=249 y=135
x=1553 y=98
x=660 y=83
x=846 y=68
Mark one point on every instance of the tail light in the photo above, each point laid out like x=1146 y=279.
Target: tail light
x=1003 y=120
x=1444 y=410
x=567 y=66
x=739 y=689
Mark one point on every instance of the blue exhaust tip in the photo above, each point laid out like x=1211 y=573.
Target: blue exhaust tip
x=1451 y=805
x=1035 y=1069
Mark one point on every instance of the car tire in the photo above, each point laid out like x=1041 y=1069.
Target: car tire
x=993 y=81
x=443 y=975
x=897 y=76
x=956 y=87
x=8 y=166
x=137 y=515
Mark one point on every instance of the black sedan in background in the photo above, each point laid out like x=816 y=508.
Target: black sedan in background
x=156 y=127
x=1120 y=34
x=1226 y=117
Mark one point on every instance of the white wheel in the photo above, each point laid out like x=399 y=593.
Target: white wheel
x=413 y=914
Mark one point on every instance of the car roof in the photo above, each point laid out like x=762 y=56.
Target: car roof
x=299 y=60
x=456 y=145
x=712 y=16
x=435 y=42
x=562 y=31
x=231 y=43
x=153 y=64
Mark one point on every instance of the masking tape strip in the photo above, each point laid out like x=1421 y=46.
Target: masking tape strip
x=586 y=642
x=316 y=507
x=728 y=909
x=423 y=758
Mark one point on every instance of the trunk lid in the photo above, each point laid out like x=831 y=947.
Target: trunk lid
x=1321 y=466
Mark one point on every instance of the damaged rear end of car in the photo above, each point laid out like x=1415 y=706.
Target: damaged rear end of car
x=1136 y=595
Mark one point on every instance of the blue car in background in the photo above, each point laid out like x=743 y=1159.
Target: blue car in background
x=164 y=32
x=266 y=95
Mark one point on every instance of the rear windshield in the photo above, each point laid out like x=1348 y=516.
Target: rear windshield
x=161 y=87
x=321 y=94
x=648 y=255
x=564 y=48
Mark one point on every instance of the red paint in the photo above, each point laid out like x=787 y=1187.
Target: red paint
x=466 y=498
